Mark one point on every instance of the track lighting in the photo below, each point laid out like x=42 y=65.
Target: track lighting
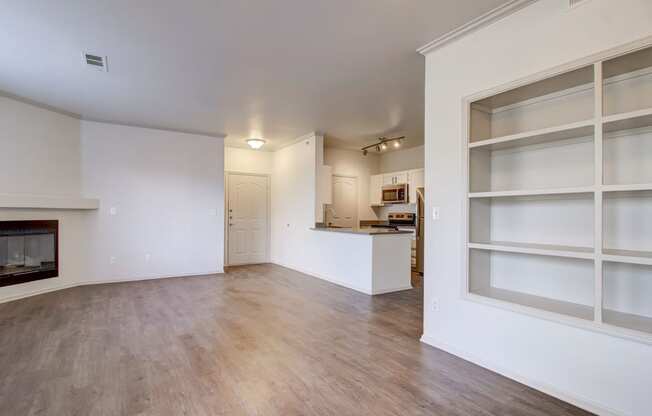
x=382 y=144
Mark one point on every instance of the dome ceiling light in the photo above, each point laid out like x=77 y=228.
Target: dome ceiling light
x=255 y=143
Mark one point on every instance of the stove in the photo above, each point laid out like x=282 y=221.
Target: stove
x=404 y=221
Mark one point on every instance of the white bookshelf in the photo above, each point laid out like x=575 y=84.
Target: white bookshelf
x=559 y=195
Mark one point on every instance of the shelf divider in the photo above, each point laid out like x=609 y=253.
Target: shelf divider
x=628 y=121
x=534 y=192
x=598 y=179
x=550 y=134
x=575 y=252
x=627 y=256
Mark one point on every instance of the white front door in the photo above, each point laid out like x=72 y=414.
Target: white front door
x=247 y=219
x=343 y=212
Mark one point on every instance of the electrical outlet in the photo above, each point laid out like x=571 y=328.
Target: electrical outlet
x=112 y=260
x=435 y=304
x=148 y=257
x=113 y=211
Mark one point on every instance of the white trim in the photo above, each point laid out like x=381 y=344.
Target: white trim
x=563 y=93
x=392 y=290
x=155 y=127
x=579 y=401
x=338 y=282
x=562 y=69
x=310 y=273
x=64 y=286
x=307 y=136
x=476 y=24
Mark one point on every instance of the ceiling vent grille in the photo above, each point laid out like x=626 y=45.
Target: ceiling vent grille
x=575 y=3
x=95 y=61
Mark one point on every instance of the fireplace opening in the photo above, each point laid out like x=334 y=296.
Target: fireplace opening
x=28 y=251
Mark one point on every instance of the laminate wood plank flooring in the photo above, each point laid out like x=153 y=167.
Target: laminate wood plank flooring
x=259 y=340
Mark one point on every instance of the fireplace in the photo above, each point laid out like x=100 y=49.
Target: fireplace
x=29 y=250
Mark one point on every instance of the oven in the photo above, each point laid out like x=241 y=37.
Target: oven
x=395 y=194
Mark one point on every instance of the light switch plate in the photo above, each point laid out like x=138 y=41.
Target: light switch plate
x=113 y=211
x=435 y=213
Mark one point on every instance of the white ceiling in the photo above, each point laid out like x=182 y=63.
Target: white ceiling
x=271 y=68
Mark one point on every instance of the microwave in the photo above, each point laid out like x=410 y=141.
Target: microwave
x=395 y=194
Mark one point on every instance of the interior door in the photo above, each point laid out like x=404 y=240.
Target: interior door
x=247 y=219
x=343 y=212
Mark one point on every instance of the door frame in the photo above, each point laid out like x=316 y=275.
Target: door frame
x=268 y=233
x=357 y=196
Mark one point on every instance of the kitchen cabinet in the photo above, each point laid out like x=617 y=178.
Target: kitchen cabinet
x=395 y=178
x=416 y=180
x=376 y=190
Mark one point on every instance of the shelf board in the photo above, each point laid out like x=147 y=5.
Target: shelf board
x=627 y=320
x=627 y=256
x=534 y=192
x=538 y=302
x=536 y=249
x=547 y=135
x=47 y=202
x=627 y=188
x=628 y=121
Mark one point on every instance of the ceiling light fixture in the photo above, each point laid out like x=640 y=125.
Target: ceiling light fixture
x=255 y=143
x=382 y=144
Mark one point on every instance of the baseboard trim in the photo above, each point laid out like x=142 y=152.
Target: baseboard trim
x=310 y=273
x=70 y=285
x=581 y=402
x=392 y=290
x=38 y=292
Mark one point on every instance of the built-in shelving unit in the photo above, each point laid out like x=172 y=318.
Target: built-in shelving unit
x=559 y=204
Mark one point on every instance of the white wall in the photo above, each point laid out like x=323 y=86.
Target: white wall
x=168 y=192
x=293 y=200
x=248 y=161
x=39 y=150
x=354 y=163
x=604 y=373
x=404 y=159
x=167 y=188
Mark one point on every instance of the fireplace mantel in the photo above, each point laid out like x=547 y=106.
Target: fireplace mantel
x=47 y=202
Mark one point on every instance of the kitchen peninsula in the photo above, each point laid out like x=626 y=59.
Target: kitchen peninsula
x=370 y=260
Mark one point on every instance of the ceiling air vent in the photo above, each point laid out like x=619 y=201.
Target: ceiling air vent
x=94 y=61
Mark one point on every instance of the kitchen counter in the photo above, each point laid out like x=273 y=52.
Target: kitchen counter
x=369 y=260
x=362 y=230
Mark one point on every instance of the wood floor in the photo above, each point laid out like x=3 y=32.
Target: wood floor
x=261 y=340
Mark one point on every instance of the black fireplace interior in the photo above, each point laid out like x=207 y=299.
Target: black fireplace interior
x=28 y=251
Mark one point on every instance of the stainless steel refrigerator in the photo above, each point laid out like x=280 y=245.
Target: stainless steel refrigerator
x=421 y=211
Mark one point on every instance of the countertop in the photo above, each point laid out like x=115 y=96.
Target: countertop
x=362 y=231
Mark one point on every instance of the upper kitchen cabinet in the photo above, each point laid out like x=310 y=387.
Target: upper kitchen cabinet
x=416 y=180
x=395 y=178
x=376 y=190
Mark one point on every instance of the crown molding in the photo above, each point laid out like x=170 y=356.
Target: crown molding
x=156 y=127
x=37 y=104
x=486 y=19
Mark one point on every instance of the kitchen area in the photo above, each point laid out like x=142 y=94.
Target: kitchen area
x=378 y=198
